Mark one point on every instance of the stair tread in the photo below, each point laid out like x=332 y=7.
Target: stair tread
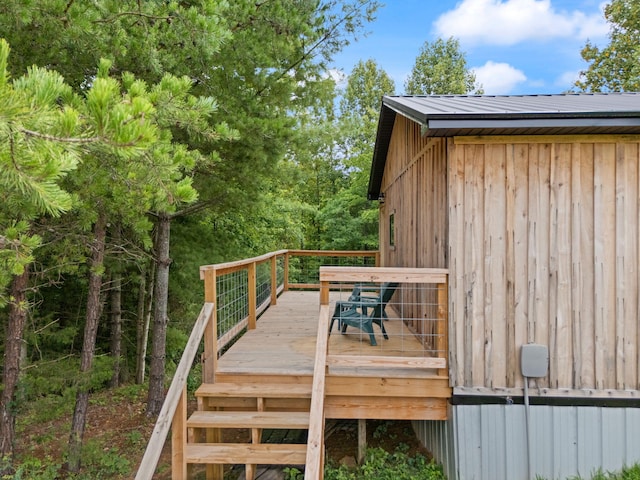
x=267 y=390
x=243 y=453
x=230 y=419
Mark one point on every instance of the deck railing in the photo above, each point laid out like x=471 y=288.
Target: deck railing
x=421 y=304
x=236 y=293
x=243 y=289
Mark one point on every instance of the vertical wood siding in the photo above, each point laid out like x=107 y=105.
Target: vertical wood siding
x=544 y=248
x=415 y=193
x=542 y=241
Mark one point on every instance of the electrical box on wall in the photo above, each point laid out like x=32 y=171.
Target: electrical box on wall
x=534 y=360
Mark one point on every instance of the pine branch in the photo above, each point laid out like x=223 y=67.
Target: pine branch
x=310 y=52
x=53 y=138
x=81 y=141
x=135 y=14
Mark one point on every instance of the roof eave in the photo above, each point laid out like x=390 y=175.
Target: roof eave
x=447 y=124
x=383 y=137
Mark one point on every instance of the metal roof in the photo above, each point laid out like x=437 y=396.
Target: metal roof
x=464 y=115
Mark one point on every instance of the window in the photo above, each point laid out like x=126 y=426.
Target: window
x=392 y=229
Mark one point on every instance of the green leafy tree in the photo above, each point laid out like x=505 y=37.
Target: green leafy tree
x=271 y=72
x=615 y=67
x=349 y=220
x=121 y=185
x=441 y=69
x=263 y=61
x=148 y=39
x=362 y=97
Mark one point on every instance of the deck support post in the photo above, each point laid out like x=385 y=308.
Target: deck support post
x=210 y=362
x=178 y=439
x=256 y=438
x=210 y=356
x=362 y=439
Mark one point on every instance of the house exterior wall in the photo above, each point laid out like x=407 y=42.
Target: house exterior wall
x=414 y=187
x=541 y=236
x=489 y=442
x=415 y=208
x=544 y=241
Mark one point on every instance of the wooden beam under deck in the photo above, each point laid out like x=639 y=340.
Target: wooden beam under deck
x=281 y=350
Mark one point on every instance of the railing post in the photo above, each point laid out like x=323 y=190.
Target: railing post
x=442 y=327
x=179 y=438
x=251 y=279
x=210 y=357
x=274 y=280
x=324 y=292
x=286 y=271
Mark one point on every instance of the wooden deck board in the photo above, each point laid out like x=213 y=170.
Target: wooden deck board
x=284 y=342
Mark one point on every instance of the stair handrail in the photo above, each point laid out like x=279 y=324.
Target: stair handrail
x=175 y=394
x=314 y=464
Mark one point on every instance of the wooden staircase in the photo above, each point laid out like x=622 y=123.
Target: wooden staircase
x=252 y=406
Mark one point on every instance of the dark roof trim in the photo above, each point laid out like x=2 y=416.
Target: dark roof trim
x=383 y=137
x=557 y=121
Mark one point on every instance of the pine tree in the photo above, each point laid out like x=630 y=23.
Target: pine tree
x=38 y=147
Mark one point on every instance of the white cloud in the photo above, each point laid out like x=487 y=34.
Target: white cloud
x=337 y=76
x=567 y=79
x=498 y=22
x=498 y=78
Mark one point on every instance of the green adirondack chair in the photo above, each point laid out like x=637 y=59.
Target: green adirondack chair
x=362 y=312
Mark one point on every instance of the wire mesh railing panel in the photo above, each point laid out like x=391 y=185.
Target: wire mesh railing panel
x=305 y=270
x=263 y=282
x=387 y=318
x=280 y=270
x=232 y=300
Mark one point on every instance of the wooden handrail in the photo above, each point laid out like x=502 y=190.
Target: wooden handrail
x=225 y=267
x=332 y=253
x=209 y=273
x=384 y=274
x=314 y=468
x=174 y=397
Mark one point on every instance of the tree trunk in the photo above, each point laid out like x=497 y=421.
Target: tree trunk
x=116 y=327
x=12 y=349
x=145 y=302
x=160 y=320
x=94 y=308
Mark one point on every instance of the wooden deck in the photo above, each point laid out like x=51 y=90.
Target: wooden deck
x=286 y=373
x=284 y=341
x=282 y=349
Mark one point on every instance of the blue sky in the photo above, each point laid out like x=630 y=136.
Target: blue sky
x=514 y=46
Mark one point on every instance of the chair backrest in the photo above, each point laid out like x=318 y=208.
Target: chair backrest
x=387 y=290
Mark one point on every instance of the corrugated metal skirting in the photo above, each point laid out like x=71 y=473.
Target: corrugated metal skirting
x=488 y=442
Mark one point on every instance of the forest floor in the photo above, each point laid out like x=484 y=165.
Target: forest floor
x=118 y=429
